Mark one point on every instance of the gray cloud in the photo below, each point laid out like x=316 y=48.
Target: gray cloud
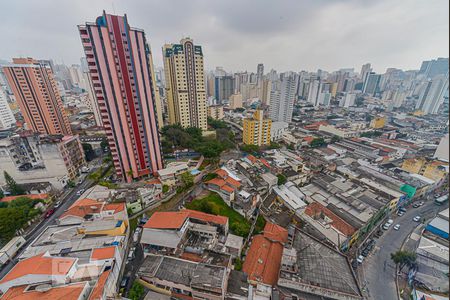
x=236 y=34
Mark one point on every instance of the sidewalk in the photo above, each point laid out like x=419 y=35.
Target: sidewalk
x=409 y=244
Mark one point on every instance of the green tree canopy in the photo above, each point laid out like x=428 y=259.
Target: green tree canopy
x=403 y=258
x=281 y=179
x=317 y=142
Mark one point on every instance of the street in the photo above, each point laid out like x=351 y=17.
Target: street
x=66 y=202
x=377 y=273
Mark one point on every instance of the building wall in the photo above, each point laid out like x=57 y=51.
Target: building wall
x=56 y=162
x=121 y=69
x=36 y=92
x=7 y=119
x=215 y=112
x=235 y=101
x=185 y=84
x=256 y=130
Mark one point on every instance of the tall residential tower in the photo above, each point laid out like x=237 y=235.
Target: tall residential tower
x=36 y=91
x=121 y=69
x=185 y=84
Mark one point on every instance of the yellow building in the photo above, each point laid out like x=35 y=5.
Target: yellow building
x=256 y=130
x=378 y=122
x=185 y=84
x=434 y=170
x=216 y=112
x=333 y=91
x=413 y=165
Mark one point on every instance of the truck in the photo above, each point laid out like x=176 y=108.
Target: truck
x=10 y=249
x=441 y=200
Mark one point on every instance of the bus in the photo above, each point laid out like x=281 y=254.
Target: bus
x=441 y=200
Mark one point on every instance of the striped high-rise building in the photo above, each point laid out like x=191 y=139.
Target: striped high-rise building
x=121 y=69
x=185 y=84
x=36 y=91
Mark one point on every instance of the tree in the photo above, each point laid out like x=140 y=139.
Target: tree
x=335 y=139
x=187 y=180
x=317 y=142
x=210 y=176
x=281 y=179
x=274 y=145
x=136 y=292
x=404 y=258
x=165 y=188
x=13 y=187
x=249 y=148
x=2 y=194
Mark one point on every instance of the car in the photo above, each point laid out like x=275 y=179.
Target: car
x=386 y=226
x=360 y=259
x=57 y=204
x=402 y=209
x=416 y=219
x=354 y=264
x=81 y=191
x=421 y=203
x=131 y=254
x=49 y=213
x=390 y=221
x=400 y=213
x=416 y=205
x=397 y=227
x=124 y=282
x=365 y=252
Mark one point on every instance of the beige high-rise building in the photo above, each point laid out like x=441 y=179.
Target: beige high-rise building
x=185 y=84
x=235 y=101
x=216 y=112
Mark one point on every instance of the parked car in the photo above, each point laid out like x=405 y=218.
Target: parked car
x=402 y=209
x=57 y=204
x=421 y=203
x=354 y=264
x=400 y=213
x=360 y=259
x=416 y=219
x=397 y=227
x=131 y=254
x=124 y=282
x=365 y=252
x=416 y=205
x=49 y=213
x=81 y=191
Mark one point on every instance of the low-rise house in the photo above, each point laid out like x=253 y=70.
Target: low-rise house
x=169 y=175
x=263 y=259
x=88 y=209
x=167 y=232
x=183 y=279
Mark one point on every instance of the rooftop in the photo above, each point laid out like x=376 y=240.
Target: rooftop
x=26 y=292
x=40 y=264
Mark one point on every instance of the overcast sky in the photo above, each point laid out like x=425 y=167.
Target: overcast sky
x=237 y=34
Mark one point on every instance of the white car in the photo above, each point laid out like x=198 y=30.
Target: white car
x=416 y=219
x=397 y=227
x=360 y=259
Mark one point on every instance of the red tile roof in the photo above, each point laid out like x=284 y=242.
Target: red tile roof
x=206 y=217
x=263 y=260
x=315 y=208
x=308 y=139
x=31 y=196
x=222 y=173
x=174 y=220
x=252 y=158
x=166 y=220
x=84 y=207
x=66 y=292
x=97 y=292
x=40 y=264
x=227 y=188
x=275 y=233
x=264 y=162
x=103 y=253
x=235 y=184
x=216 y=181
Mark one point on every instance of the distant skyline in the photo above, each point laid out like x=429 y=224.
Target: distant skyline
x=237 y=35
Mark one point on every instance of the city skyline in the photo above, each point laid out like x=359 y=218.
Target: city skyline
x=301 y=35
